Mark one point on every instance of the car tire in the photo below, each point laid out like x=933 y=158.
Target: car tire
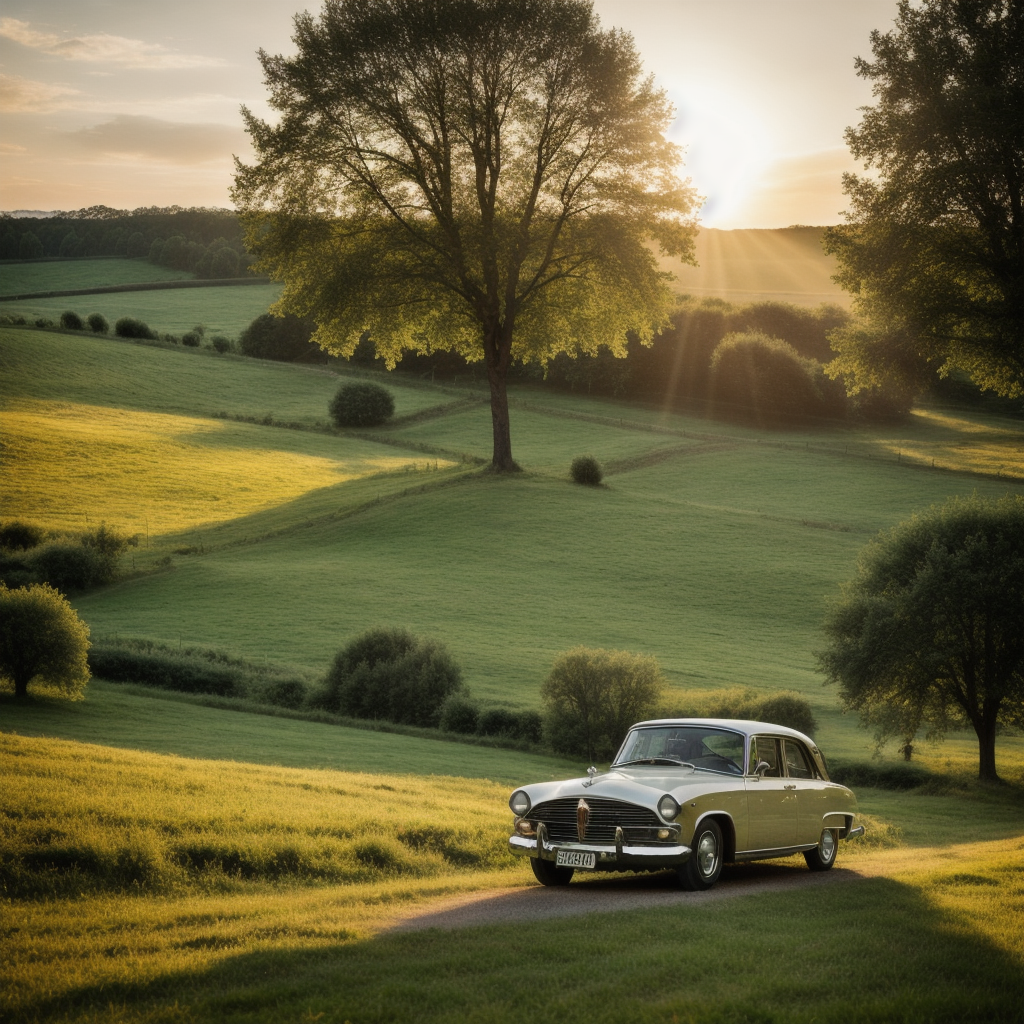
x=548 y=874
x=823 y=856
x=703 y=868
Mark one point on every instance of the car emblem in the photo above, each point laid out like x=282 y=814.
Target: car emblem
x=582 y=817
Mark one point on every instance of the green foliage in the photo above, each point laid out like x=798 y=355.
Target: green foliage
x=783 y=707
x=71 y=321
x=516 y=725
x=30 y=248
x=97 y=323
x=764 y=381
x=221 y=344
x=929 y=631
x=393 y=675
x=191 y=339
x=198 y=670
x=593 y=696
x=459 y=713
x=540 y=111
x=278 y=337
x=131 y=327
x=879 y=774
x=17 y=536
x=934 y=248
x=42 y=641
x=363 y=404
x=585 y=469
x=69 y=563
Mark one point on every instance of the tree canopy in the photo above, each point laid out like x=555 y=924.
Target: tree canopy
x=934 y=247
x=42 y=639
x=930 y=630
x=480 y=176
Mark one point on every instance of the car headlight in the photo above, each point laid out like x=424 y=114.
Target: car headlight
x=667 y=807
x=520 y=802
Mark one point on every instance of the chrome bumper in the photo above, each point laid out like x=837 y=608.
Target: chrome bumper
x=854 y=833
x=619 y=855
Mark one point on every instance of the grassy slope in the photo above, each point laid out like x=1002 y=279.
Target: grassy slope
x=936 y=932
x=23 y=278
x=226 y=310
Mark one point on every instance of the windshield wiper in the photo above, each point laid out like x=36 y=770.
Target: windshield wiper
x=655 y=760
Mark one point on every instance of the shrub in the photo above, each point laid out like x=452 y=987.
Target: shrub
x=97 y=323
x=42 y=639
x=459 y=713
x=191 y=339
x=44 y=321
x=286 y=693
x=278 y=337
x=392 y=675
x=517 y=725
x=764 y=381
x=220 y=343
x=586 y=470
x=17 y=536
x=592 y=697
x=73 y=564
x=71 y=321
x=881 y=775
x=131 y=327
x=362 y=404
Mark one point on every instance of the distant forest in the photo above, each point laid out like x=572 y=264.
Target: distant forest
x=207 y=242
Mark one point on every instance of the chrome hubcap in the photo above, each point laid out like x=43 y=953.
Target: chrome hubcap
x=707 y=854
x=827 y=846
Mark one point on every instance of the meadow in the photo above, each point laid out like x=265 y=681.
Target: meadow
x=71 y=275
x=166 y=859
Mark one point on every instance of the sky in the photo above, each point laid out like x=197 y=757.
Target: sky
x=129 y=103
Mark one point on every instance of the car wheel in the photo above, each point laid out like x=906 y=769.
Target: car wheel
x=548 y=874
x=823 y=856
x=701 y=871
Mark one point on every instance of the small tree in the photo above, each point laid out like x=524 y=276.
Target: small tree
x=931 y=628
x=97 y=323
x=585 y=469
x=71 y=321
x=593 y=696
x=42 y=639
x=363 y=404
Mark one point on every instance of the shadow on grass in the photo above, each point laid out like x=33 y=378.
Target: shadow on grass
x=874 y=950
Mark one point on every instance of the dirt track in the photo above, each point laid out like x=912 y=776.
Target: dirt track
x=605 y=895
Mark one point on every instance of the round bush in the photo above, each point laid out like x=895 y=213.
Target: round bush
x=361 y=405
x=586 y=470
x=17 y=536
x=517 y=725
x=131 y=327
x=191 y=339
x=97 y=323
x=71 y=321
x=459 y=714
x=278 y=337
x=44 y=321
x=392 y=675
x=220 y=343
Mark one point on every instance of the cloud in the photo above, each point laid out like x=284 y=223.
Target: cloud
x=151 y=139
x=22 y=96
x=108 y=49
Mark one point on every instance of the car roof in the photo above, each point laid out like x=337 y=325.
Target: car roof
x=745 y=726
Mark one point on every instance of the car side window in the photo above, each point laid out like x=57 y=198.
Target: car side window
x=798 y=764
x=764 y=748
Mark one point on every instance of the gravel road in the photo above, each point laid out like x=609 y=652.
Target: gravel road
x=606 y=895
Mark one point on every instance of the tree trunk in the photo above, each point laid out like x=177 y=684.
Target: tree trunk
x=497 y=359
x=20 y=684
x=987 y=752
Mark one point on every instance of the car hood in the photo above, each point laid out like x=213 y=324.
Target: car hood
x=644 y=786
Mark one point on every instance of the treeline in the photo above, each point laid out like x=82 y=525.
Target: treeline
x=207 y=242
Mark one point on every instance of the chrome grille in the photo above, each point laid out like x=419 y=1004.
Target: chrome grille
x=559 y=817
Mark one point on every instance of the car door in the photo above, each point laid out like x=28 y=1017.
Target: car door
x=811 y=790
x=772 y=815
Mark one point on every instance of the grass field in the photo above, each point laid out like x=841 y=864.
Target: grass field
x=25 y=278
x=225 y=310
x=217 y=890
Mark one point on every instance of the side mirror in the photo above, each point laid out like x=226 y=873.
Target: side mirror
x=761 y=768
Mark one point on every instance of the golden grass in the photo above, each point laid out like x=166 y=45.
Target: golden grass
x=69 y=465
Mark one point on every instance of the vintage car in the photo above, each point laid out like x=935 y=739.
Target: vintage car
x=689 y=794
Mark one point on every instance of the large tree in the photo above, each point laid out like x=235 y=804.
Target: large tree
x=932 y=628
x=489 y=177
x=934 y=247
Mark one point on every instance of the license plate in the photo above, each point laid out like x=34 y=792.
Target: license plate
x=575 y=859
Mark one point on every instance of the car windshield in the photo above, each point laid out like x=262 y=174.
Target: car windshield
x=715 y=750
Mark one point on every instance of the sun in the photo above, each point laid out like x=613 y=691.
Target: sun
x=728 y=148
